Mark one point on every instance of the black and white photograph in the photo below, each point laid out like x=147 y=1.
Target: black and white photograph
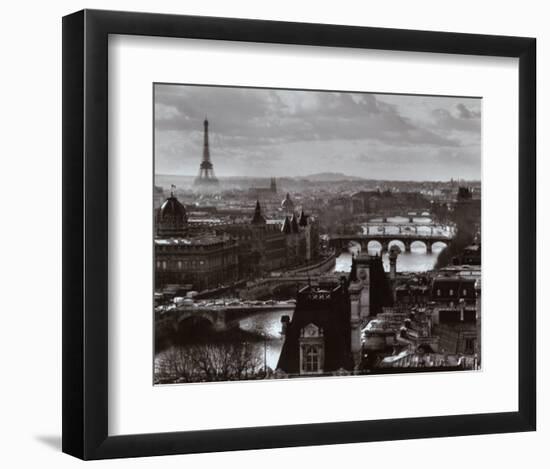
x=314 y=233
x=251 y=234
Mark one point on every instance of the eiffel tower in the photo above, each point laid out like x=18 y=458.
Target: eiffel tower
x=206 y=178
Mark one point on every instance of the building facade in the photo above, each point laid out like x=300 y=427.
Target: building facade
x=205 y=257
x=317 y=339
x=201 y=264
x=455 y=313
x=199 y=260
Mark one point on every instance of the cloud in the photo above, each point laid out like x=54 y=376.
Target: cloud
x=242 y=117
x=287 y=130
x=458 y=118
x=465 y=113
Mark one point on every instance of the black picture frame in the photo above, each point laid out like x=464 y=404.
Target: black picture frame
x=85 y=234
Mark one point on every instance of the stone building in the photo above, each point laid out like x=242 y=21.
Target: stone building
x=455 y=313
x=370 y=292
x=325 y=333
x=200 y=260
x=207 y=256
x=262 y=247
x=317 y=339
x=201 y=263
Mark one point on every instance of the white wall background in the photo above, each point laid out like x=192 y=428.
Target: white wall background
x=30 y=248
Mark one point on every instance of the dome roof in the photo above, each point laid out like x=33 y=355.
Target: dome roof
x=171 y=218
x=287 y=203
x=173 y=209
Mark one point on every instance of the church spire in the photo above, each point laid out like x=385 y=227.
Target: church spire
x=258 y=218
x=303 y=219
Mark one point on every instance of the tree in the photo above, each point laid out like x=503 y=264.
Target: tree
x=219 y=361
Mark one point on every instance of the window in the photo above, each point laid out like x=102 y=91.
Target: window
x=469 y=345
x=464 y=293
x=451 y=292
x=311 y=359
x=438 y=292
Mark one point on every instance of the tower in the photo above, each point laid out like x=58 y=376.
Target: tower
x=287 y=205
x=273 y=186
x=393 y=254
x=258 y=218
x=206 y=178
x=359 y=290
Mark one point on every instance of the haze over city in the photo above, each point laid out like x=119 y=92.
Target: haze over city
x=266 y=132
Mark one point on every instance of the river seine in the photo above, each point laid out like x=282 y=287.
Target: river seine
x=418 y=260
x=268 y=324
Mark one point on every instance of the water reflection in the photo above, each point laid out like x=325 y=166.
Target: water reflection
x=268 y=325
x=418 y=260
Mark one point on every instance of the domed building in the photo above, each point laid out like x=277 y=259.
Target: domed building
x=196 y=260
x=171 y=218
x=287 y=205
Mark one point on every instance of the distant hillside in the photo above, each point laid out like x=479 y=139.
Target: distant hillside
x=331 y=177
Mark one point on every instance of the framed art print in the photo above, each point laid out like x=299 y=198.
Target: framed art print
x=281 y=234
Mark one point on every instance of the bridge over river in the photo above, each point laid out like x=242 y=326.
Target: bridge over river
x=219 y=316
x=423 y=228
x=385 y=239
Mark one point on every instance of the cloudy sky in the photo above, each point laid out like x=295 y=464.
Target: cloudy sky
x=267 y=132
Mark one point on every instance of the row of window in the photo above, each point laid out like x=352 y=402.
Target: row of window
x=451 y=292
x=163 y=265
x=186 y=264
x=179 y=247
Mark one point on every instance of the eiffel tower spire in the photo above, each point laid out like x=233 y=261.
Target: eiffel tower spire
x=206 y=176
x=206 y=146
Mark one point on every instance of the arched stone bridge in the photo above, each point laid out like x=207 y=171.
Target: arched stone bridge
x=175 y=317
x=215 y=316
x=342 y=241
x=407 y=228
x=218 y=316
